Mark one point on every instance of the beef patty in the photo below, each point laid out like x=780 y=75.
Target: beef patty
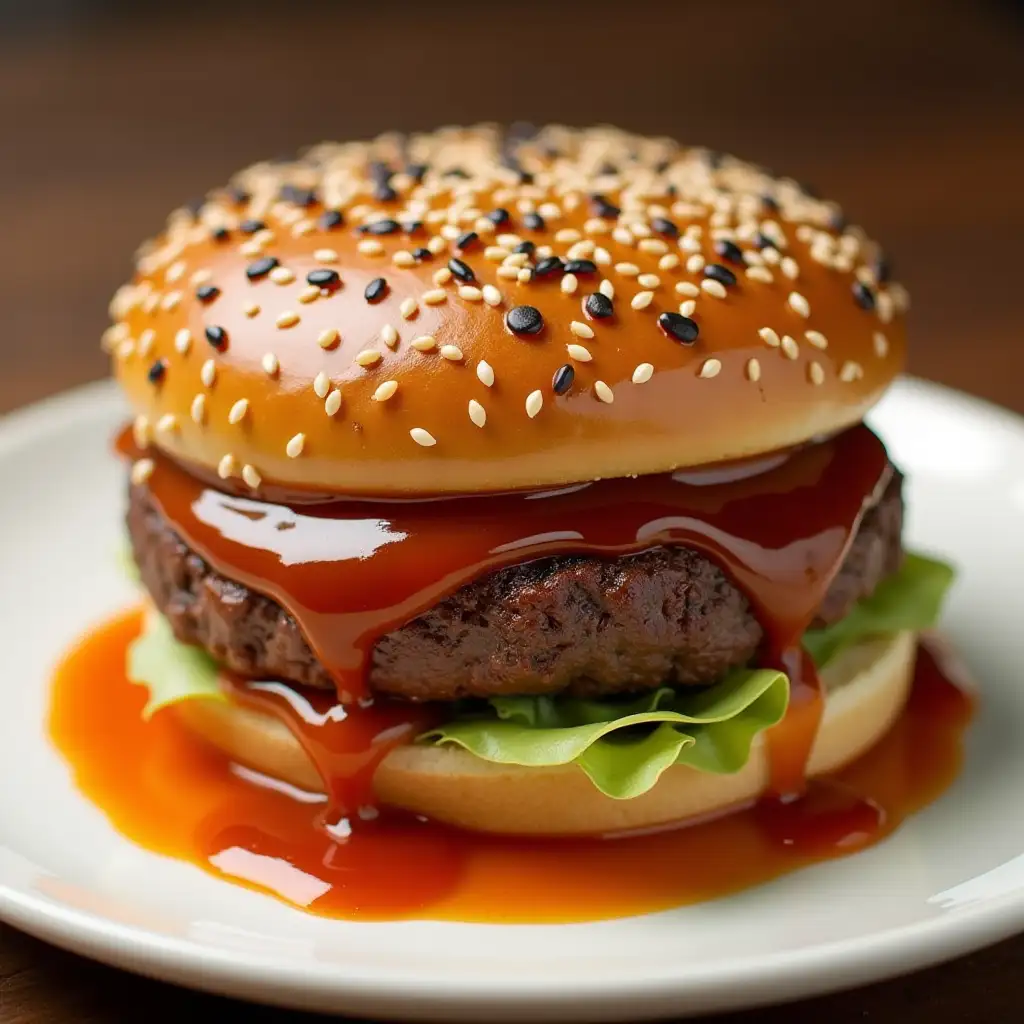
x=579 y=625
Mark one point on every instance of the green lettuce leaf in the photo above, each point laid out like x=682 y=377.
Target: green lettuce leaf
x=170 y=670
x=911 y=599
x=711 y=730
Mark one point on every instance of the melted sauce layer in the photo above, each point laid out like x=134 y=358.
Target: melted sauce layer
x=353 y=570
x=166 y=791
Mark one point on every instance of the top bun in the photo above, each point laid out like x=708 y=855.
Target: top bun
x=469 y=310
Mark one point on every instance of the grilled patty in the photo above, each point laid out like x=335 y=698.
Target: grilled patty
x=578 y=625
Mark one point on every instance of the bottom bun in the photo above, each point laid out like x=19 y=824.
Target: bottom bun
x=867 y=687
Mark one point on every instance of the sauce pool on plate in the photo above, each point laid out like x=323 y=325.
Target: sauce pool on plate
x=163 y=789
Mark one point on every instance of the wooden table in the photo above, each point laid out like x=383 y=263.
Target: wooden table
x=909 y=113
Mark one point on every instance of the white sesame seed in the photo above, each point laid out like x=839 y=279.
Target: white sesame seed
x=436 y=244
x=799 y=304
x=287 y=319
x=789 y=347
x=198 y=409
x=566 y=236
x=534 y=402
x=884 y=307
x=581 y=330
x=208 y=373
x=641 y=300
x=570 y=282
x=495 y=253
x=442 y=276
x=623 y=236
x=687 y=306
x=167 y=424
x=477 y=413
x=183 y=340
x=668 y=262
x=321 y=384
x=385 y=391
x=579 y=353
x=687 y=288
x=815 y=372
x=603 y=392
x=403 y=258
x=424 y=343
x=643 y=373
x=581 y=250
x=251 y=310
x=713 y=287
x=790 y=267
x=491 y=295
x=485 y=373
x=648 y=280
x=142 y=470
x=389 y=335
x=251 y=477
x=850 y=371
x=817 y=339
x=654 y=245
x=238 y=411
x=602 y=257
x=408 y=308
x=146 y=339
x=370 y=247
x=881 y=343
x=332 y=403
x=451 y=352
x=627 y=269
x=435 y=296
x=270 y=364
x=711 y=368
x=524 y=276
x=772 y=256
x=422 y=437
x=140 y=431
x=508 y=273
x=309 y=294
x=170 y=300
x=470 y=293
x=328 y=338
x=175 y=272
x=293 y=449
x=769 y=337
x=753 y=369
x=251 y=247
x=368 y=357
x=326 y=256
x=516 y=259
x=281 y=275
x=762 y=274
x=695 y=264
x=227 y=467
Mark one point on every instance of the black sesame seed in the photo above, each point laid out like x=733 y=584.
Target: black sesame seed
x=662 y=166
x=581 y=267
x=762 y=241
x=324 y=278
x=526 y=247
x=381 y=227
x=384 y=193
x=721 y=274
x=837 y=220
x=220 y=234
x=713 y=158
x=665 y=227
x=524 y=320
x=238 y=195
x=380 y=171
x=603 y=208
x=207 y=292
x=679 y=327
x=330 y=219
x=261 y=267
x=883 y=270
x=863 y=296
x=376 y=290
x=298 y=196
x=421 y=253
x=217 y=337
x=250 y=227
x=549 y=265
x=598 y=305
x=608 y=168
x=534 y=222
x=157 y=371
x=466 y=240
x=770 y=203
x=416 y=171
x=729 y=251
x=461 y=270
x=498 y=216
x=410 y=227
x=562 y=380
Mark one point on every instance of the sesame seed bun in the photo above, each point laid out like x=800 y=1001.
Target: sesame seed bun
x=366 y=320
x=867 y=687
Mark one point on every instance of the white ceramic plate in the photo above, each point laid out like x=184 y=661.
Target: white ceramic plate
x=948 y=882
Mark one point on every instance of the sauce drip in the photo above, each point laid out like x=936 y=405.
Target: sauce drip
x=165 y=790
x=780 y=528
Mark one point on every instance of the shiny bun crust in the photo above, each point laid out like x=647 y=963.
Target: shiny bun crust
x=467 y=310
x=867 y=689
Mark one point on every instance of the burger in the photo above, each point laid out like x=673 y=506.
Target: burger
x=518 y=479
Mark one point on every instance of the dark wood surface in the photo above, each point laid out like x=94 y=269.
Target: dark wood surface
x=911 y=114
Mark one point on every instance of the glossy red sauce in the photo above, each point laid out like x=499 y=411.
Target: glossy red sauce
x=165 y=790
x=350 y=570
